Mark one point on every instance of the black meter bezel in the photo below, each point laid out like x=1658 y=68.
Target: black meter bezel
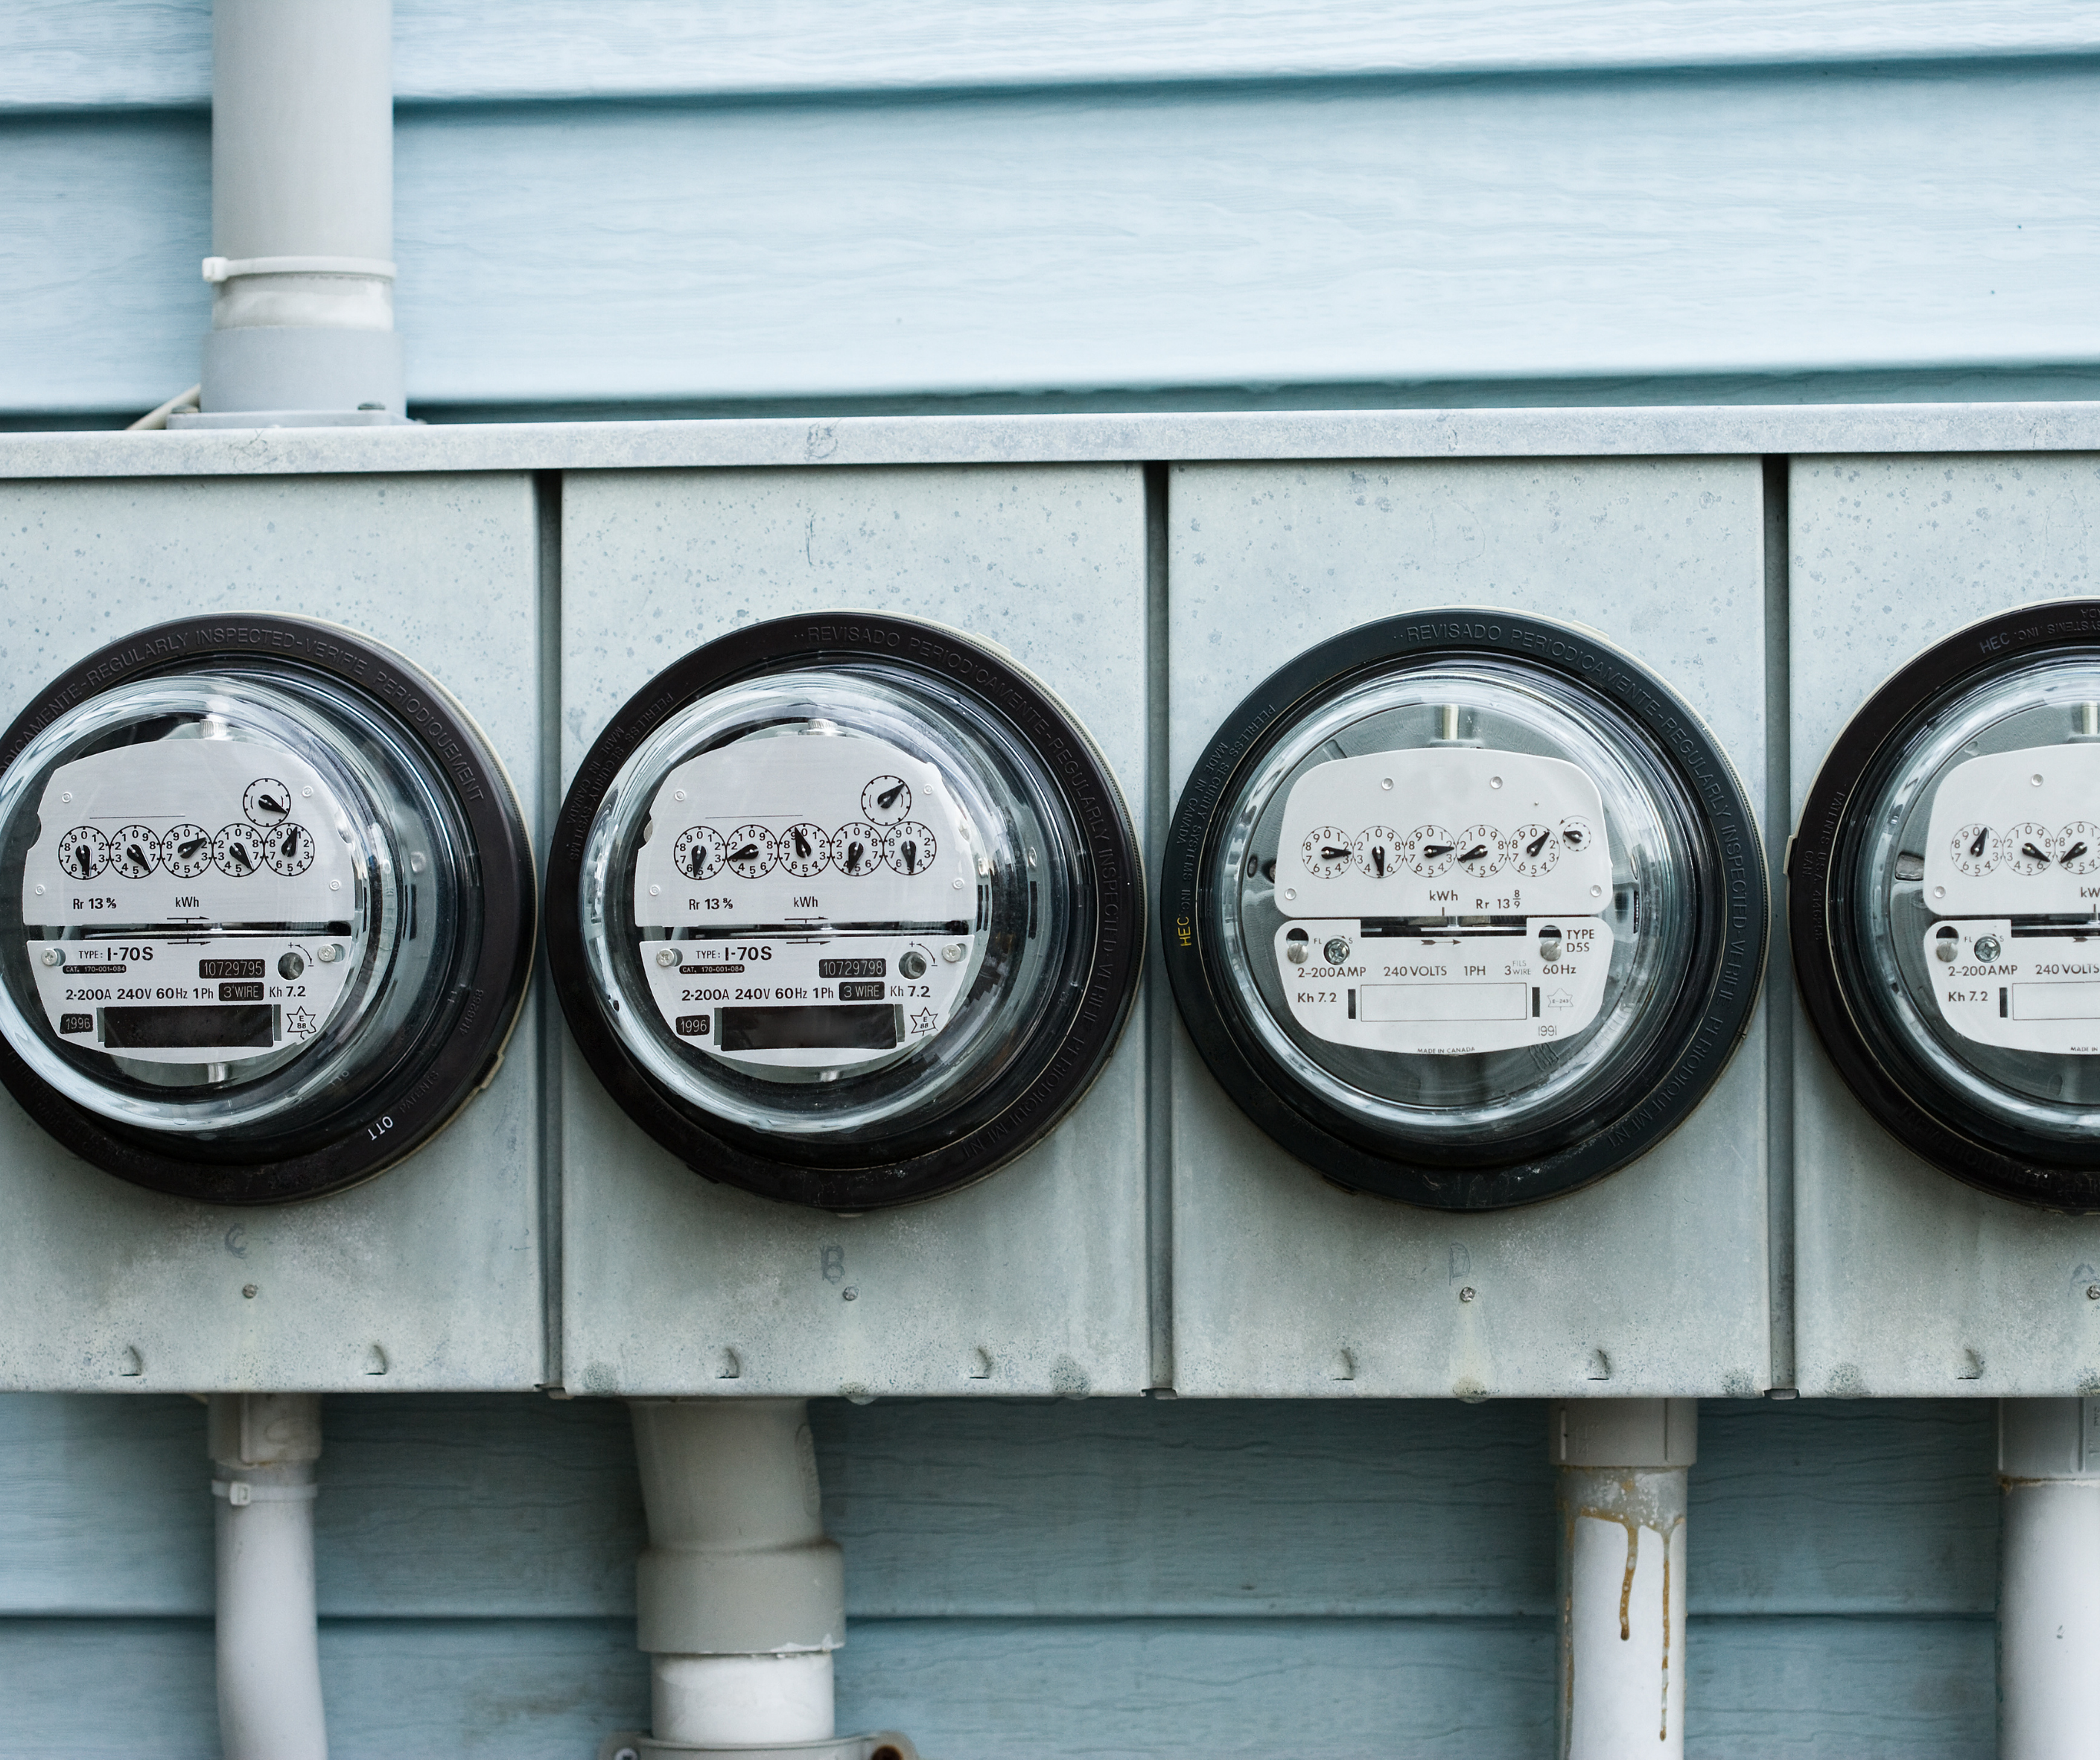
x=1018 y=1110
x=1987 y=1154
x=489 y=977
x=1712 y=1010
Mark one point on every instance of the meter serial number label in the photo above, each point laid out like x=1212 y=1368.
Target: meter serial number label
x=1450 y=995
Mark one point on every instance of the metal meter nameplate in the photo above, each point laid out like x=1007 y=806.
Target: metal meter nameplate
x=807 y=901
x=2012 y=858
x=206 y=890
x=1442 y=902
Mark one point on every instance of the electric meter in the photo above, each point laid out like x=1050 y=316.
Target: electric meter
x=1465 y=908
x=845 y=910
x=265 y=908
x=1945 y=905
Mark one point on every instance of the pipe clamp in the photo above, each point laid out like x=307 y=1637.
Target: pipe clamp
x=218 y=269
x=239 y=1492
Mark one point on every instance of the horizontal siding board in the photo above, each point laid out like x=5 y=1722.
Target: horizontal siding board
x=1851 y=1507
x=1116 y=1690
x=490 y=1505
x=1710 y=223
x=990 y=1508
x=1778 y=1689
x=1789 y=1689
x=1841 y=1689
x=466 y=1689
x=59 y=54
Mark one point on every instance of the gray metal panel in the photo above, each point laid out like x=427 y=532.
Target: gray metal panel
x=437 y=1264
x=1282 y=1282
x=669 y=1281
x=1909 y=1281
x=1668 y=431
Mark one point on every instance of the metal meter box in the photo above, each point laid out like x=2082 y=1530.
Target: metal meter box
x=1031 y=1279
x=1651 y=1278
x=1945 y=719
x=322 y=861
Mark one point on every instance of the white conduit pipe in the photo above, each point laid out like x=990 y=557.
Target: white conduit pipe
x=740 y=1598
x=263 y=1447
x=1621 y=1489
x=2049 y=1580
x=302 y=210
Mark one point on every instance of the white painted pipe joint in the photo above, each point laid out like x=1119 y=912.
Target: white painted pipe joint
x=2049 y=1580
x=263 y=1447
x=1622 y=1482
x=740 y=1598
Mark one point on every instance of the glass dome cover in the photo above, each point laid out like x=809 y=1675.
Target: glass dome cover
x=1945 y=904
x=265 y=909
x=849 y=901
x=845 y=910
x=1458 y=910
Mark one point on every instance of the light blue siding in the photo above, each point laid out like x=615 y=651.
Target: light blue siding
x=830 y=204
x=1103 y=1578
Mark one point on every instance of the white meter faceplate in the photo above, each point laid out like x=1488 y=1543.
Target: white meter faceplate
x=855 y=915
x=1945 y=904
x=265 y=909
x=1468 y=921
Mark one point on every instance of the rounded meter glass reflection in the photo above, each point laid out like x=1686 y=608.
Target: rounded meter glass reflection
x=1456 y=910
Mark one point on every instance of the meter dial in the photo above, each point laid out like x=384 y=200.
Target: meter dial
x=910 y=848
x=83 y=852
x=289 y=849
x=806 y=849
x=752 y=851
x=2027 y=849
x=1945 y=922
x=1326 y=850
x=1525 y=1004
x=699 y=853
x=186 y=850
x=1479 y=851
x=266 y=801
x=1533 y=849
x=886 y=799
x=856 y=850
x=287 y=1005
x=1429 y=850
x=2078 y=847
x=135 y=851
x=1973 y=850
x=238 y=850
x=1378 y=852
x=894 y=1007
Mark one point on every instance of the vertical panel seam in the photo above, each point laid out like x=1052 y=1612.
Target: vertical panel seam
x=1779 y=966
x=547 y=531
x=1158 y=1005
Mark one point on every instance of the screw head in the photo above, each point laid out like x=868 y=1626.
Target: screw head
x=1337 y=951
x=667 y=957
x=52 y=956
x=2092 y=1292
x=850 y=1294
x=328 y=953
x=248 y=1289
x=1466 y=1295
x=1986 y=948
x=955 y=953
